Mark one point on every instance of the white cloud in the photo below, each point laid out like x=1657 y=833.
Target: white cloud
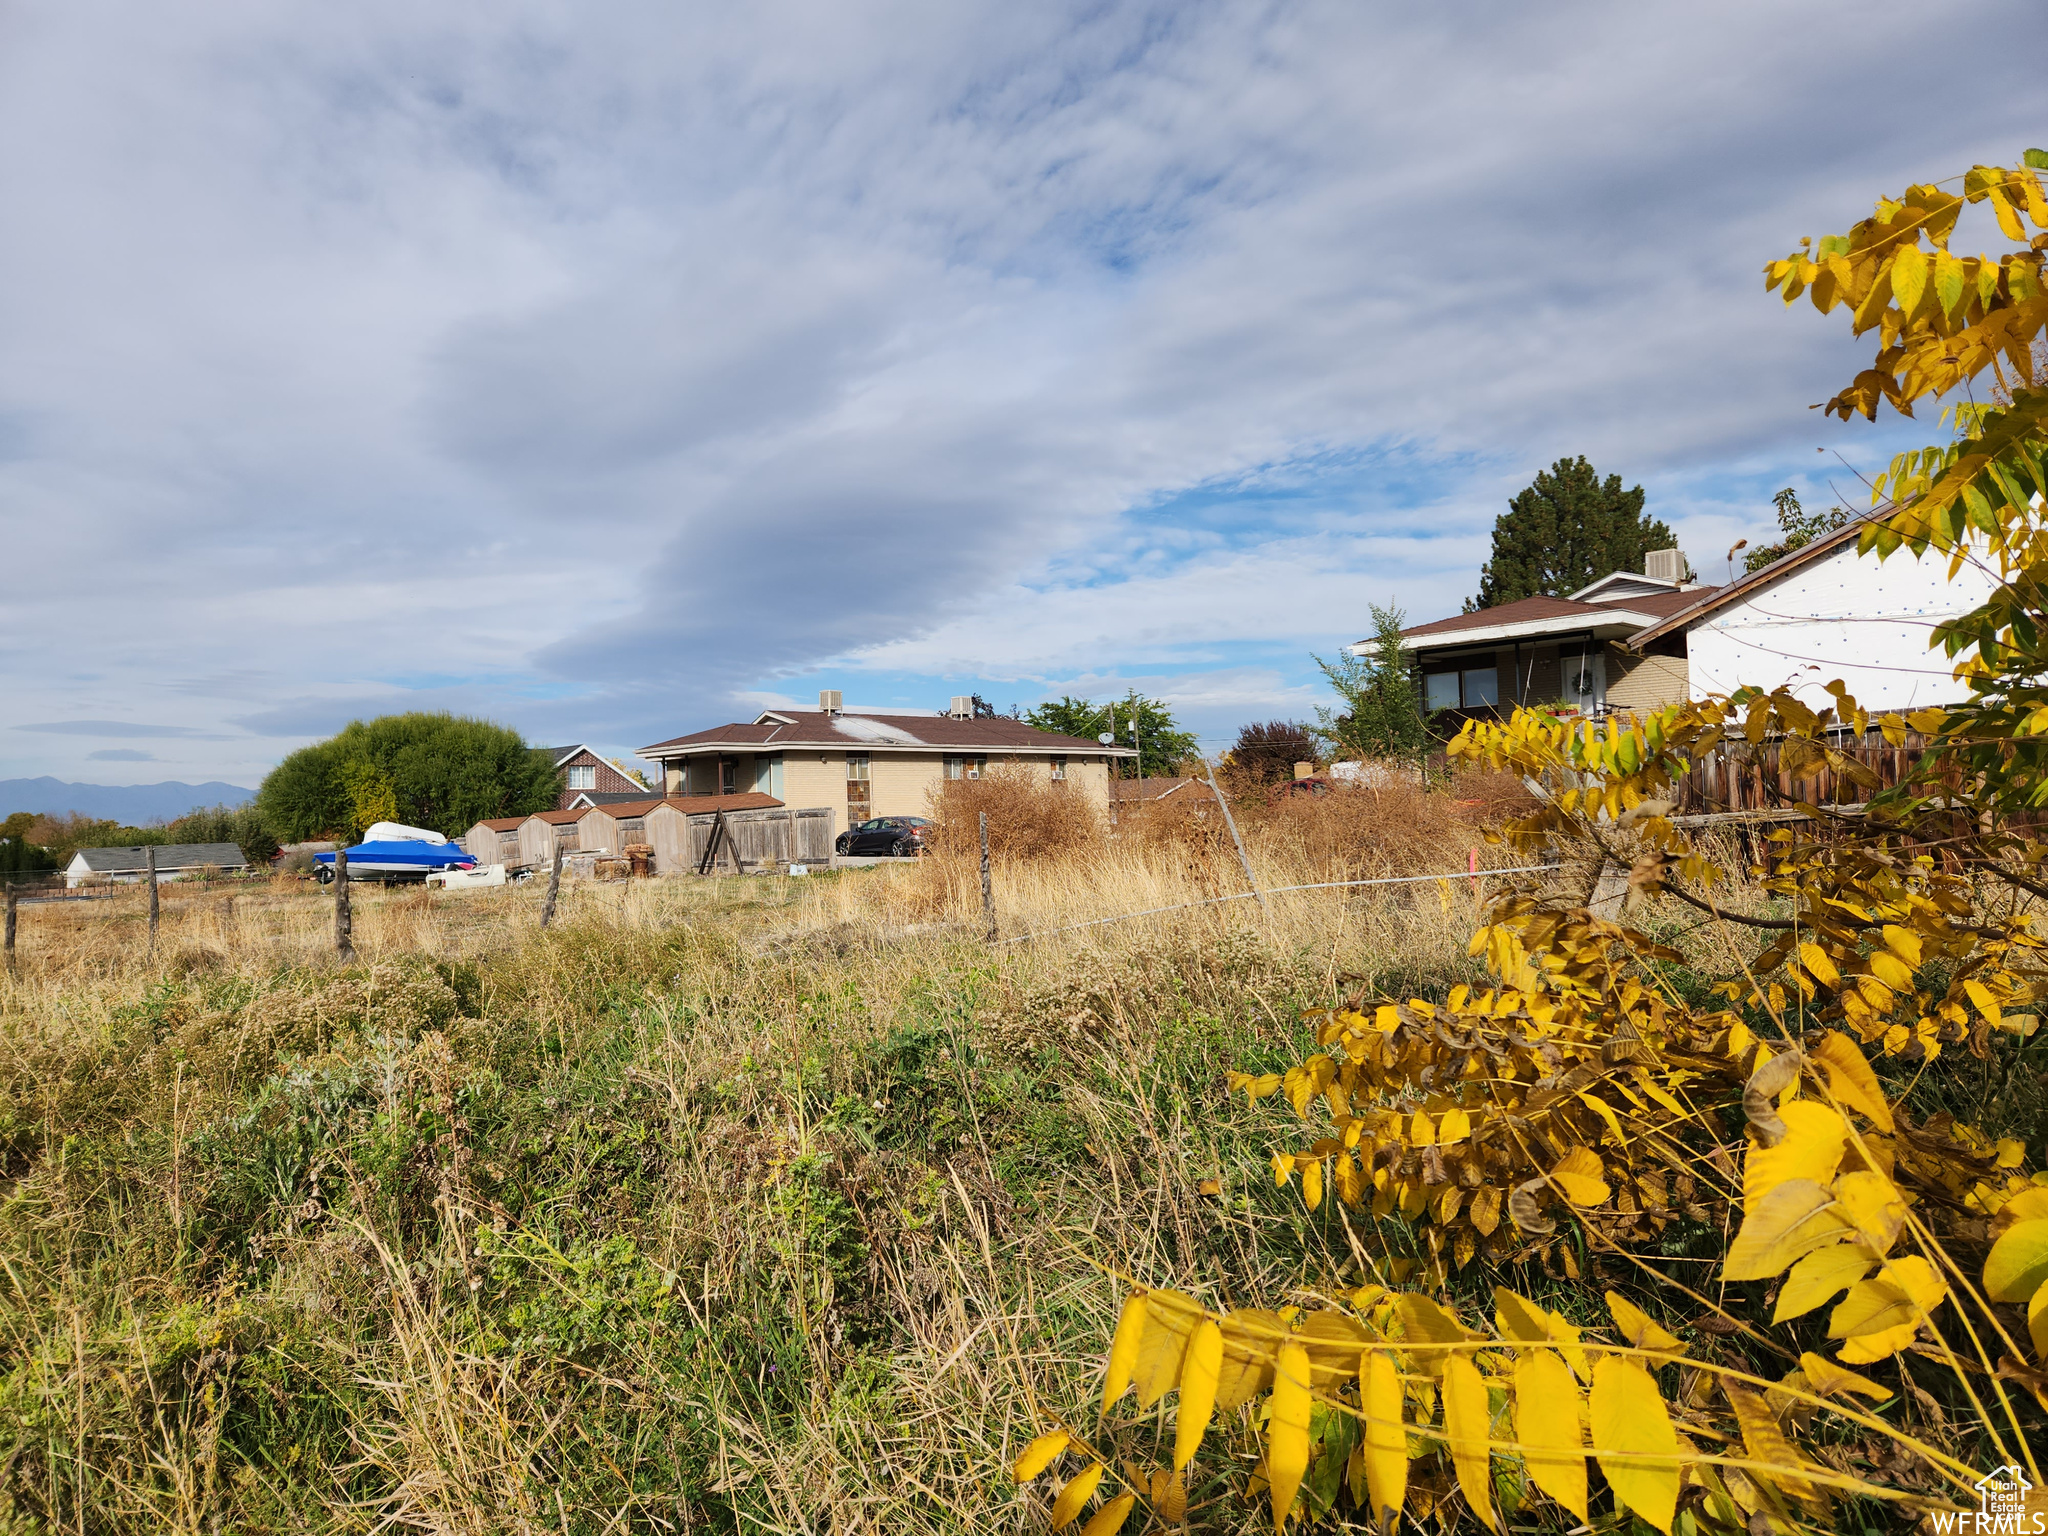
x=594 y=368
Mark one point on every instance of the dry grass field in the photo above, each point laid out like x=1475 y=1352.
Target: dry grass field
x=759 y=1204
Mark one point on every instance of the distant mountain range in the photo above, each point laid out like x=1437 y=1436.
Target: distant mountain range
x=133 y=805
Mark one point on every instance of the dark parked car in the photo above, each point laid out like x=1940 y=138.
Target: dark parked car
x=900 y=837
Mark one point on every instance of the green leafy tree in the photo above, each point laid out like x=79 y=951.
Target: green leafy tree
x=1380 y=712
x=437 y=771
x=1566 y=531
x=20 y=858
x=1162 y=744
x=243 y=826
x=1798 y=528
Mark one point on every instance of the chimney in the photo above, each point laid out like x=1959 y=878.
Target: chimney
x=1665 y=565
x=963 y=707
x=831 y=700
x=1304 y=770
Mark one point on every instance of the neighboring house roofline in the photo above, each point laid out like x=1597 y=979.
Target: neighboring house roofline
x=1621 y=578
x=1589 y=618
x=808 y=731
x=1715 y=598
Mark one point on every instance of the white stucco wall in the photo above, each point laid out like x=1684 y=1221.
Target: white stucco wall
x=1849 y=616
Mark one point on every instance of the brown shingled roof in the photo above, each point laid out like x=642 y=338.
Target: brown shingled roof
x=814 y=728
x=1530 y=610
x=689 y=805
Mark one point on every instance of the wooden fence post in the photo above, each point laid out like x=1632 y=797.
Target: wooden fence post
x=988 y=895
x=12 y=896
x=1230 y=821
x=547 y=907
x=149 y=874
x=344 y=919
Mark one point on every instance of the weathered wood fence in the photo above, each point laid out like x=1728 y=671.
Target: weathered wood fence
x=1739 y=778
x=756 y=840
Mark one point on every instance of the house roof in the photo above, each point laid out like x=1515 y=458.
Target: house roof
x=875 y=732
x=169 y=856
x=689 y=805
x=1160 y=788
x=1530 y=618
x=552 y=818
x=1712 y=599
x=503 y=823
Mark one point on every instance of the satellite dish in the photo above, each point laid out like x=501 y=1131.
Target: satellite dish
x=1107 y=739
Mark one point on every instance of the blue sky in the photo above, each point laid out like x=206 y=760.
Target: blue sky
x=610 y=370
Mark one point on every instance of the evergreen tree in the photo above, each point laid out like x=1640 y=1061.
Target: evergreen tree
x=1380 y=713
x=1267 y=753
x=1566 y=531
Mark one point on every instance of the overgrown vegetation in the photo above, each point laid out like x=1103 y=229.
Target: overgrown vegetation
x=1594 y=1101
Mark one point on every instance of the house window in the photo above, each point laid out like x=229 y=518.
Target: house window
x=728 y=776
x=583 y=776
x=1059 y=770
x=1473 y=688
x=967 y=767
x=857 y=797
x=768 y=776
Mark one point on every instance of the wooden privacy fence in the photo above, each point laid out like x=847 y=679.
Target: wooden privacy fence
x=1740 y=778
x=751 y=840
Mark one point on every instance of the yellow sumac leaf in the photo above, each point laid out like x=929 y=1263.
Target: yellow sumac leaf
x=1818 y=965
x=1171 y=1320
x=1903 y=942
x=2018 y=1264
x=1981 y=996
x=1110 y=1519
x=1523 y=1321
x=1312 y=1185
x=1421 y=1131
x=1890 y=969
x=1350 y=1181
x=1123 y=1349
x=1453 y=1125
x=2037 y=1323
x=1850 y=1079
x=1468 y=1421
x=1581 y=1177
x=1424 y=1322
x=1287 y=1430
x=1880 y=1317
x=1639 y=1328
x=1818 y=1278
x=1831 y=1380
x=1909 y=277
x=1789 y=1223
x=1199 y=1376
x=1249 y=1339
x=1040 y=1453
x=1815 y=1137
x=1386 y=1440
x=1485 y=1212
x=1634 y=1441
x=1073 y=1498
x=1870 y=1204
x=1765 y=1442
x=1547 y=1425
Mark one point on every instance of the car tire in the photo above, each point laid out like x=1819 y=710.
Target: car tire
x=902 y=848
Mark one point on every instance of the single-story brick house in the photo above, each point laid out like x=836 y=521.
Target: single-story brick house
x=871 y=762
x=582 y=769
x=174 y=861
x=1547 y=650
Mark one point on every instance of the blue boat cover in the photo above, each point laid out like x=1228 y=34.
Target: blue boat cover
x=406 y=855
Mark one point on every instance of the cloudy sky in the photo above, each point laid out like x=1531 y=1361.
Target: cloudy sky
x=610 y=368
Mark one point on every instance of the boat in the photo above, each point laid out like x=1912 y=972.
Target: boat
x=391 y=851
